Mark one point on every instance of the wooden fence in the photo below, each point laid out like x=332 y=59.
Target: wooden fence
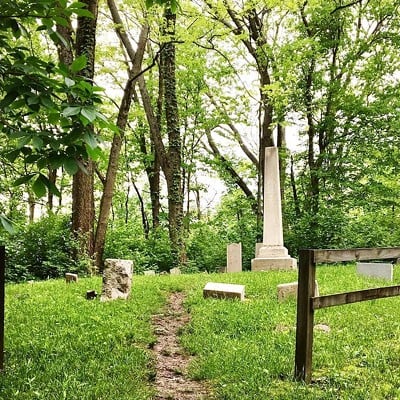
x=307 y=303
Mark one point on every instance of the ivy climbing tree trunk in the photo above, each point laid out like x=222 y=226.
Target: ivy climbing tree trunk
x=83 y=181
x=172 y=163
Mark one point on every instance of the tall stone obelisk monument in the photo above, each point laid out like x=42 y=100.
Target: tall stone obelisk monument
x=272 y=254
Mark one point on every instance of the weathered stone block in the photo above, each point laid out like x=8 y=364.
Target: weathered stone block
x=268 y=264
x=234 y=257
x=376 y=270
x=289 y=290
x=150 y=272
x=223 y=291
x=175 y=271
x=117 y=279
x=71 y=277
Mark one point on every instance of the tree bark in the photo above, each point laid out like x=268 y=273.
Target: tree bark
x=112 y=169
x=83 y=213
x=173 y=163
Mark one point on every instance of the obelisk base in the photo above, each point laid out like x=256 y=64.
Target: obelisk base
x=273 y=258
x=268 y=264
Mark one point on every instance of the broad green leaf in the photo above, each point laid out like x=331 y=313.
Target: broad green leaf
x=94 y=153
x=79 y=63
x=71 y=110
x=12 y=155
x=38 y=187
x=7 y=224
x=89 y=113
x=23 y=179
x=37 y=142
x=90 y=140
x=69 y=82
x=71 y=166
x=49 y=185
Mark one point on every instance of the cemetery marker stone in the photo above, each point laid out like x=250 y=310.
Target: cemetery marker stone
x=117 y=279
x=234 y=257
x=272 y=254
x=376 y=270
x=223 y=291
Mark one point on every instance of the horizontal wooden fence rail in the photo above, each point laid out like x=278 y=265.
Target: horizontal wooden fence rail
x=307 y=303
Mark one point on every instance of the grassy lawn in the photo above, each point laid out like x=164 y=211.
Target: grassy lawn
x=61 y=346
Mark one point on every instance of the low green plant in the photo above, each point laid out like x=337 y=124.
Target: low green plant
x=61 y=346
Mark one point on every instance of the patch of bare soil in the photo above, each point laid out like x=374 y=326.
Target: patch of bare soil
x=172 y=381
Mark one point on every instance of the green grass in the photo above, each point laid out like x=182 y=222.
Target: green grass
x=61 y=346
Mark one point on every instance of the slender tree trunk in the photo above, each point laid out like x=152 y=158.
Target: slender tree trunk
x=122 y=121
x=173 y=172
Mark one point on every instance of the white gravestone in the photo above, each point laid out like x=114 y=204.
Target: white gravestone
x=175 y=271
x=71 y=277
x=223 y=291
x=272 y=254
x=117 y=279
x=234 y=257
x=376 y=270
x=149 y=272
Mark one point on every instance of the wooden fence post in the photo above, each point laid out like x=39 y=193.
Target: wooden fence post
x=305 y=316
x=2 y=304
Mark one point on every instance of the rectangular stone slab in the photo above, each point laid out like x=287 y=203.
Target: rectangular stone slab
x=223 y=291
x=376 y=270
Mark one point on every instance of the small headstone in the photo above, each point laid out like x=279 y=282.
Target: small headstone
x=150 y=272
x=223 y=291
x=286 y=290
x=175 y=271
x=376 y=270
x=117 y=279
x=222 y=270
x=91 y=295
x=71 y=277
x=234 y=257
x=163 y=273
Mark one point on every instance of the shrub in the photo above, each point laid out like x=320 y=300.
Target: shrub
x=41 y=250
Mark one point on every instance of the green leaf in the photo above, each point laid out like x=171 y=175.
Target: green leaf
x=69 y=82
x=79 y=63
x=7 y=224
x=38 y=187
x=12 y=155
x=23 y=179
x=89 y=113
x=90 y=140
x=71 y=166
x=37 y=142
x=71 y=110
x=94 y=153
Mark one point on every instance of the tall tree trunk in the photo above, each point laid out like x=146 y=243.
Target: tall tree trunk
x=173 y=163
x=122 y=121
x=83 y=212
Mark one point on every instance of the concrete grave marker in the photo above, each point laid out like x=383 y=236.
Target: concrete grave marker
x=376 y=270
x=223 y=291
x=117 y=279
x=272 y=254
x=71 y=277
x=287 y=290
x=150 y=272
x=234 y=257
x=175 y=271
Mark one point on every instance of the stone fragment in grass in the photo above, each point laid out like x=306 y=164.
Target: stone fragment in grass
x=71 y=277
x=175 y=271
x=91 y=295
x=117 y=279
x=150 y=272
x=376 y=270
x=289 y=290
x=223 y=291
x=323 y=328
